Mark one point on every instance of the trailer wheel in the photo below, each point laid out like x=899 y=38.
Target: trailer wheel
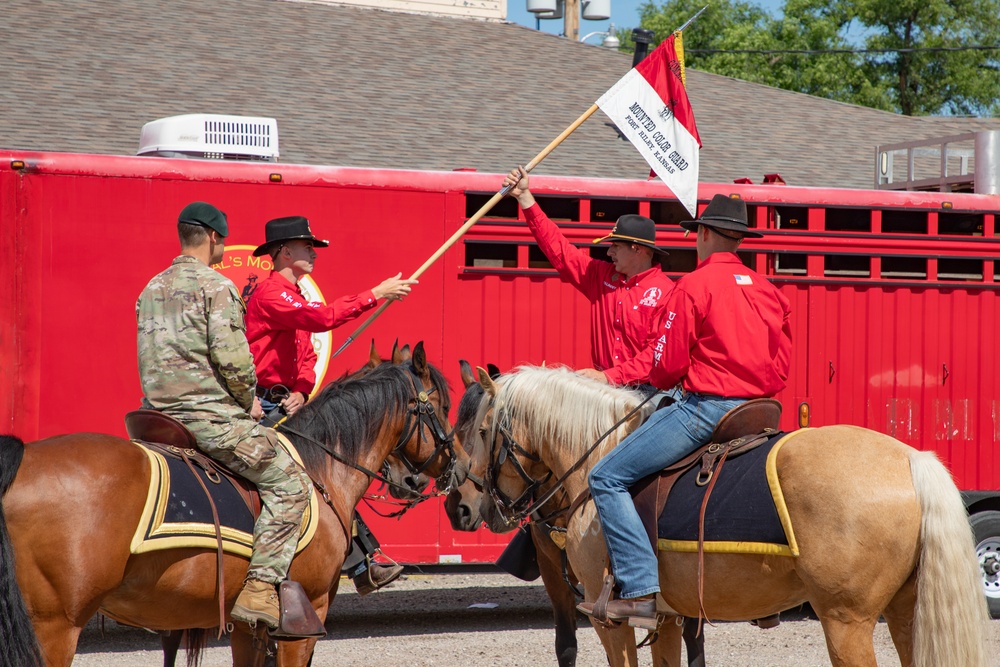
x=986 y=529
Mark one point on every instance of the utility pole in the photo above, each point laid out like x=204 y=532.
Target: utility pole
x=571 y=19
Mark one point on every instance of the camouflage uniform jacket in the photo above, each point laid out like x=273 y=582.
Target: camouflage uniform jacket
x=194 y=360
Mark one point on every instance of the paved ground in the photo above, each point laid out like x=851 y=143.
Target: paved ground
x=427 y=620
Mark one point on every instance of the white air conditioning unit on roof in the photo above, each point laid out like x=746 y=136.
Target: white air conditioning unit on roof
x=211 y=137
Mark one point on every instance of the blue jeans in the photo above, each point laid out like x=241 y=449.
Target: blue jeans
x=268 y=406
x=668 y=436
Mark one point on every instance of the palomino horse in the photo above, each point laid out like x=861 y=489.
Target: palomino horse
x=88 y=490
x=463 y=508
x=881 y=528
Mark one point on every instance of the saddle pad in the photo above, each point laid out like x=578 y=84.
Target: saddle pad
x=177 y=513
x=746 y=512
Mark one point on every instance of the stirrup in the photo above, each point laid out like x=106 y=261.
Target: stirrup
x=601 y=603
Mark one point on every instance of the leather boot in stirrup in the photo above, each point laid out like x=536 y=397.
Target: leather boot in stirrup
x=376 y=577
x=258 y=601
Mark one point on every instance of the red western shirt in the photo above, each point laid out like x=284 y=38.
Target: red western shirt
x=725 y=333
x=279 y=321
x=624 y=312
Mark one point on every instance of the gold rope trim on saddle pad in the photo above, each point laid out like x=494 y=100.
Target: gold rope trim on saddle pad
x=152 y=534
x=765 y=548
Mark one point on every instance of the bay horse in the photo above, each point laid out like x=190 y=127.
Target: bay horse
x=881 y=528
x=462 y=506
x=405 y=480
x=87 y=490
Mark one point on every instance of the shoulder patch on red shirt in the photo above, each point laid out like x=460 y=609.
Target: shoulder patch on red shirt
x=743 y=279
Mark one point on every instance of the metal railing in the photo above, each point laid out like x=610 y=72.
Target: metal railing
x=956 y=163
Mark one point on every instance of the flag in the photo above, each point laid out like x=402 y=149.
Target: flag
x=650 y=106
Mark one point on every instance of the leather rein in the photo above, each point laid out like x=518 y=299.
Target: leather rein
x=426 y=416
x=514 y=511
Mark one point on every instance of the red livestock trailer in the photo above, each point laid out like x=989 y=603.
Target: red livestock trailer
x=894 y=295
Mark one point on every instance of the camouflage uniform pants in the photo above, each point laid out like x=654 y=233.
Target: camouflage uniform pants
x=254 y=453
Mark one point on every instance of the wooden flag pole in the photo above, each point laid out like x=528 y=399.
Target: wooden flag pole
x=471 y=221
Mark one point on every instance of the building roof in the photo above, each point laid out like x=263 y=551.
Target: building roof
x=369 y=88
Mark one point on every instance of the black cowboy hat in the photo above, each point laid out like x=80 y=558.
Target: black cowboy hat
x=287 y=229
x=631 y=228
x=724 y=213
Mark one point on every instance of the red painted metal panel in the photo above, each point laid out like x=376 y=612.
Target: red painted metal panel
x=82 y=234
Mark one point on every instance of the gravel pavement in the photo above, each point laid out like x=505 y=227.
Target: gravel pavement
x=426 y=619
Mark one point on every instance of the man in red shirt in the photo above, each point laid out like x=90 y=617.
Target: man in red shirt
x=279 y=321
x=626 y=294
x=726 y=338
x=280 y=318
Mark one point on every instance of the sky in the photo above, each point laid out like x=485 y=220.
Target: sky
x=624 y=14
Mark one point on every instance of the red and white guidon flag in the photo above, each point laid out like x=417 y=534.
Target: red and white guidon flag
x=650 y=106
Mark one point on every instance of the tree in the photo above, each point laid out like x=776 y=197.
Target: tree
x=910 y=82
x=932 y=82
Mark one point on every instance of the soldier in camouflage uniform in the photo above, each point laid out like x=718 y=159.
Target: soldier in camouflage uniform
x=195 y=365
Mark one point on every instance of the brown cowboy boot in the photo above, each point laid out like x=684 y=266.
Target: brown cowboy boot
x=638 y=612
x=376 y=577
x=258 y=601
x=633 y=610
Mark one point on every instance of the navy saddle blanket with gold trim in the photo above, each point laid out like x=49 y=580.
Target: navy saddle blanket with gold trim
x=741 y=510
x=187 y=502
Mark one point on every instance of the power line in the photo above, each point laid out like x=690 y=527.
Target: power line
x=914 y=49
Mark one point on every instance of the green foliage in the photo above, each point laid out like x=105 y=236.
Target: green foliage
x=913 y=83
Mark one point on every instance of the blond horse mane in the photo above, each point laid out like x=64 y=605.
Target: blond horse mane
x=555 y=405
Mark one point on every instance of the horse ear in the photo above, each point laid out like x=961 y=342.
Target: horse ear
x=486 y=382
x=397 y=355
x=493 y=370
x=373 y=358
x=467 y=378
x=420 y=360
x=405 y=353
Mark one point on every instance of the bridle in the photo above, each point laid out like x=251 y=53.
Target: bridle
x=443 y=442
x=514 y=511
x=420 y=416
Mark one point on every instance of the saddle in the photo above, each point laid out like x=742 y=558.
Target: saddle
x=742 y=429
x=172 y=439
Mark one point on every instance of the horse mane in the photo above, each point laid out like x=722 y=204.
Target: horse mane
x=556 y=405
x=468 y=407
x=348 y=413
x=441 y=387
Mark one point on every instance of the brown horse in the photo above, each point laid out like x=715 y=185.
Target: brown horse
x=405 y=480
x=880 y=527
x=547 y=525
x=88 y=490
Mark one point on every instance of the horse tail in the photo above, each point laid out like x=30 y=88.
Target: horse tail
x=951 y=614
x=195 y=644
x=18 y=644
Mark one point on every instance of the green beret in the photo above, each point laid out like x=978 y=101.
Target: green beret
x=206 y=215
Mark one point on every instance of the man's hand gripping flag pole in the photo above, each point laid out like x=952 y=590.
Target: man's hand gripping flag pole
x=669 y=152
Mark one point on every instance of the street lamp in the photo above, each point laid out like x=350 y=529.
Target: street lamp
x=610 y=41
